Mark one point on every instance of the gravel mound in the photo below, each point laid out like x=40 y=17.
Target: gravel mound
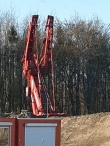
x=86 y=130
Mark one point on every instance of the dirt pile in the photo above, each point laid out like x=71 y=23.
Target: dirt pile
x=88 y=130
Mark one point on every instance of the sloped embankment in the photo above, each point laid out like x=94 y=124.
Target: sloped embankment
x=86 y=130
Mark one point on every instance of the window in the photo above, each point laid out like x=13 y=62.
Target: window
x=5 y=132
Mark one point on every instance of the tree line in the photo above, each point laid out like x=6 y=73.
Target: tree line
x=81 y=56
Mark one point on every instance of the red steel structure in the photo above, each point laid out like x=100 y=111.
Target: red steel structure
x=35 y=69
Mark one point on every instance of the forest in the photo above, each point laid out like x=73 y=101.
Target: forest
x=81 y=56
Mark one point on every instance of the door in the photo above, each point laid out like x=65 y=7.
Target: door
x=40 y=134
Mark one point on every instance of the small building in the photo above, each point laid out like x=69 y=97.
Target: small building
x=38 y=131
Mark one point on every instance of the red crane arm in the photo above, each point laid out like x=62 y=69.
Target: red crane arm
x=34 y=70
x=28 y=53
x=29 y=67
x=46 y=59
x=32 y=73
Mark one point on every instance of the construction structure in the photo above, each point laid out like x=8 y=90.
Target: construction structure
x=36 y=67
x=41 y=125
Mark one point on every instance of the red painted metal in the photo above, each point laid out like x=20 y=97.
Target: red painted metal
x=35 y=69
x=46 y=60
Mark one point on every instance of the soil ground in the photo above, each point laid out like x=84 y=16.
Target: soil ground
x=86 y=130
